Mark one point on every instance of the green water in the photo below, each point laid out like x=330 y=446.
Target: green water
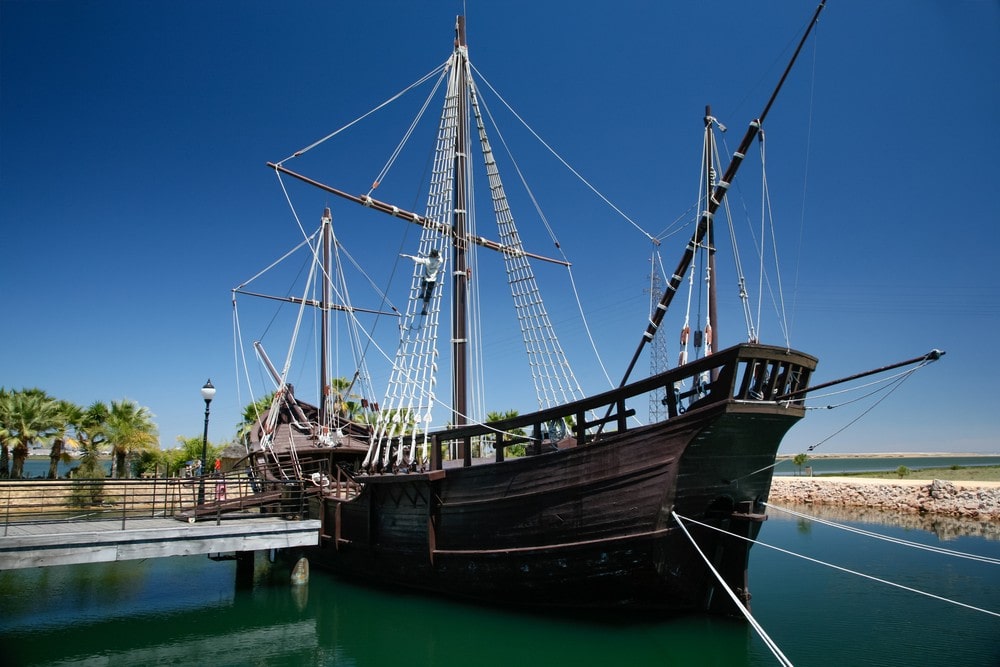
x=187 y=611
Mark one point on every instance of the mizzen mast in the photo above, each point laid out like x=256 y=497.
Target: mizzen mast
x=325 y=306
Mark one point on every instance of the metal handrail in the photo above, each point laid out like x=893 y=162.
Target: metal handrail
x=79 y=500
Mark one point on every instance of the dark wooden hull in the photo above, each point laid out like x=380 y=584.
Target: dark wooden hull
x=588 y=526
x=584 y=527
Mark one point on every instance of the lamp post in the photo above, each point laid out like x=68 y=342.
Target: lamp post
x=207 y=392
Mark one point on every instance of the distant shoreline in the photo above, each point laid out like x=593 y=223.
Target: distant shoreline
x=892 y=455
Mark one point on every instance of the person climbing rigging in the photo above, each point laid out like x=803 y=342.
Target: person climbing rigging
x=431 y=264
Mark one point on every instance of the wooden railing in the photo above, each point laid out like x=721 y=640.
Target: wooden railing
x=743 y=373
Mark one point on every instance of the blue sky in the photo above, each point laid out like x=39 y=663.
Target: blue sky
x=134 y=194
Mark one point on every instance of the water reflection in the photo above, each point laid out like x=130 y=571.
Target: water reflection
x=944 y=527
x=188 y=611
x=329 y=622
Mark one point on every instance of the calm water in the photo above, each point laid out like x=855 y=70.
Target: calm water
x=186 y=611
x=40 y=467
x=820 y=466
x=833 y=465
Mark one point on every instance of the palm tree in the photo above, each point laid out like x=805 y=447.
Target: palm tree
x=6 y=408
x=91 y=433
x=252 y=413
x=514 y=450
x=343 y=406
x=800 y=460
x=30 y=416
x=130 y=429
x=70 y=416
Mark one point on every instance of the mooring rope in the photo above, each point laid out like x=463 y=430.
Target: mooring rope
x=739 y=605
x=847 y=570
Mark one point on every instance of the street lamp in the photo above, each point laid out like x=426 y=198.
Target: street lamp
x=207 y=392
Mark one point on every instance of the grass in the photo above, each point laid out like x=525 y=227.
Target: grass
x=951 y=474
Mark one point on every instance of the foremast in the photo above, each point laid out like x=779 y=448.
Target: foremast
x=714 y=202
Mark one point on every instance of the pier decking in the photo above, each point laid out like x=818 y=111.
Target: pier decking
x=65 y=522
x=38 y=544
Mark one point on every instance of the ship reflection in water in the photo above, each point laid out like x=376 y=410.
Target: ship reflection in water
x=186 y=611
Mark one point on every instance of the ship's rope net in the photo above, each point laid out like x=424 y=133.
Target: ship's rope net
x=410 y=394
x=406 y=414
x=550 y=369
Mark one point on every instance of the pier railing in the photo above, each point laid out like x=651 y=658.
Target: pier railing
x=190 y=498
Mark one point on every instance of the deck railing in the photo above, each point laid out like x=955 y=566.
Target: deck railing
x=747 y=373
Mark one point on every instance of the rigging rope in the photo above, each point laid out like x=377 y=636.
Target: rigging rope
x=739 y=605
x=548 y=227
x=895 y=380
x=846 y=570
x=409 y=132
x=553 y=377
x=564 y=163
x=410 y=393
x=387 y=102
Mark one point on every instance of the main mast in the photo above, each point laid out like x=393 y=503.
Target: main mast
x=460 y=274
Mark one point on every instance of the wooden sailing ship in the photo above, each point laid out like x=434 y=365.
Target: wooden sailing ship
x=598 y=509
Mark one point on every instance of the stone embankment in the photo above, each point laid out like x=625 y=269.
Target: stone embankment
x=974 y=500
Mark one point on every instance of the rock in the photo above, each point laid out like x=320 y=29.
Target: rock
x=938 y=497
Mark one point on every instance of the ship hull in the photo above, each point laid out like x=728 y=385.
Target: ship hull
x=585 y=527
x=611 y=515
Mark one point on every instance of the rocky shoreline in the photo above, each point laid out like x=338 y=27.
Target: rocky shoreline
x=972 y=500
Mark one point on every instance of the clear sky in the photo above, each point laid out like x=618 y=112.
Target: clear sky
x=134 y=194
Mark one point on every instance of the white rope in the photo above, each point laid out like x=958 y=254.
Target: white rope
x=365 y=115
x=778 y=300
x=555 y=241
x=854 y=572
x=556 y=381
x=888 y=392
x=886 y=538
x=739 y=605
x=406 y=136
x=586 y=327
x=564 y=163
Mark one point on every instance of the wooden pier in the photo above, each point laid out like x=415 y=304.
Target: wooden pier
x=38 y=544
x=66 y=522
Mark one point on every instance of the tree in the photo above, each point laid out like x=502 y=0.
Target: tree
x=70 y=415
x=30 y=416
x=902 y=471
x=189 y=450
x=130 y=430
x=252 y=413
x=513 y=450
x=800 y=460
x=6 y=408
